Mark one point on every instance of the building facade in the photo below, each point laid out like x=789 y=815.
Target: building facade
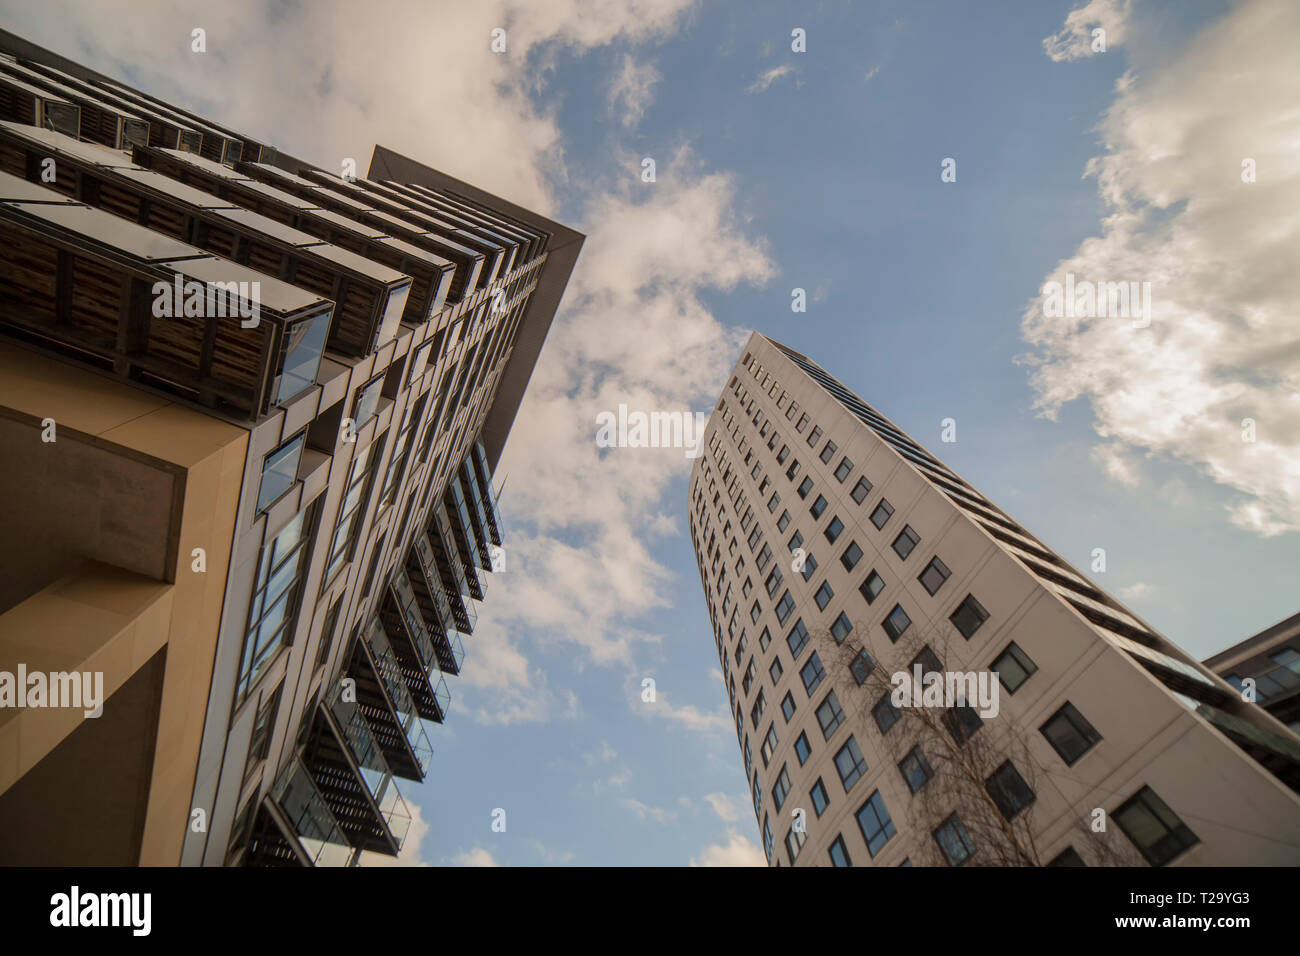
x=849 y=573
x=252 y=412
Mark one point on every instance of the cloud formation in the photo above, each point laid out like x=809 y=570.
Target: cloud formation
x=737 y=851
x=1075 y=40
x=1214 y=382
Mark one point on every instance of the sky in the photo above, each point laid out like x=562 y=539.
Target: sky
x=817 y=169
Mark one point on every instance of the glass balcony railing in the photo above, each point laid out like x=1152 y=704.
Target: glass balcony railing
x=310 y=816
x=390 y=672
x=442 y=695
x=374 y=769
x=413 y=619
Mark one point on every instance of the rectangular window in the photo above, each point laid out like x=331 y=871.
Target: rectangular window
x=850 y=764
x=805 y=487
x=1009 y=790
x=1013 y=667
x=756 y=712
x=968 y=617
x=870 y=588
x=776 y=670
x=828 y=452
x=915 y=769
x=783 y=454
x=813 y=436
x=954 y=841
x=1155 y=829
x=833 y=529
x=820 y=800
x=769 y=744
x=353 y=507
x=841 y=628
x=1070 y=735
x=773 y=582
x=861 y=490
x=885 y=713
x=843 y=470
x=818 y=507
x=906 y=541
x=830 y=715
x=763 y=558
x=812 y=673
x=366 y=403
x=896 y=623
x=784 y=607
x=803 y=423
x=781 y=789
x=935 y=573
x=783 y=522
x=773 y=502
x=802 y=749
x=875 y=824
x=787 y=706
x=824 y=595
x=764 y=639
x=797 y=639
x=792 y=470
x=963 y=722
x=882 y=513
x=839 y=853
x=280 y=470
x=796 y=540
x=851 y=556
x=861 y=666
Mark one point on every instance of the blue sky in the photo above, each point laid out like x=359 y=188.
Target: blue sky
x=818 y=170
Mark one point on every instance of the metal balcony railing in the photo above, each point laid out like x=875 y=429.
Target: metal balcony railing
x=375 y=773
x=318 y=831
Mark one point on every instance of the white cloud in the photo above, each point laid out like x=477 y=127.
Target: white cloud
x=768 y=77
x=645 y=812
x=728 y=809
x=1220 y=254
x=871 y=74
x=632 y=91
x=737 y=851
x=550 y=856
x=1075 y=41
x=1133 y=591
x=1116 y=465
x=475 y=857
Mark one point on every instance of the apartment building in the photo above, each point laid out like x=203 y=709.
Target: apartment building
x=251 y=413
x=848 y=572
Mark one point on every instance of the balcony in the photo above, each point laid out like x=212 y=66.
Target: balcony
x=310 y=816
x=470 y=548
x=154 y=311
x=387 y=705
x=347 y=765
x=435 y=610
x=488 y=498
x=447 y=561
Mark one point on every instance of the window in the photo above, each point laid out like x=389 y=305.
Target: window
x=813 y=436
x=769 y=840
x=828 y=452
x=1155 y=829
x=820 y=800
x=809 y=567
x=882 y=513
x=273 y=609
x=787 y=706
x=1067 y=857
x=764 y=556
x=1009 y=790
x=797 y=639
x=907 y=540
x=812 y=673
x=849 y=762
x=367 y=401
x=755 y=536
x=764 y=639
x=280 y=470
x=843 y=470
x=968 y=617
x=805 y=487
x=818 y=507
x=769 y=744
x=803 y=423
x=327 y=633
x=935 y=573
x=781 y=789
x=304 y=346
x=773 y=582
x=758 y=796
x=841 y=628
x=783 y=522
x=783 y=454
x=851 y=556
x=1070 y=735
x=792 y=470
x=755 y=612
x=885 y=713
x=839 y=854
x=1013 y=667
x=896 y=623
x=830 y=715
x=861 y=666
x=875 y=824
x=954 y=841
x=861 y=490
x=749 y=584
x=756 y=712
x=773 y=502
x=350 y=512
x=963 y=722
x=747 y=681
x=824 y=595
x=833 y=529
x=794 y=841
x=796 y=540
x=871 y=587
x=915 y=769
x=802 y=749
x=784 y=607
x=263 y=724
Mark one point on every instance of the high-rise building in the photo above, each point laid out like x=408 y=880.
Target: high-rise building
x=250 y=415
x=917 y=680
x=1271 y=660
